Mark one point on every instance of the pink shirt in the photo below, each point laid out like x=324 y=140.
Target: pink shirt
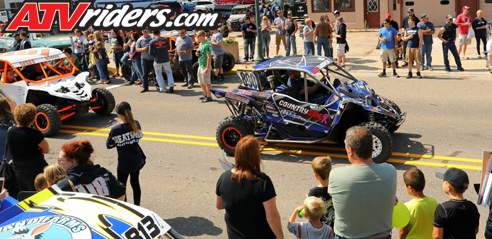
x=463 y=19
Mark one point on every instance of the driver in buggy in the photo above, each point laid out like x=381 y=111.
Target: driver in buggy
x=295 y=88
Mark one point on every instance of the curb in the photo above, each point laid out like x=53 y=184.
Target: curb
x=112 y=70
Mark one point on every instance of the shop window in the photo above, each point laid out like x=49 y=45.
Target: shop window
x=321 y=5
x=409 y=3
x=345 y=5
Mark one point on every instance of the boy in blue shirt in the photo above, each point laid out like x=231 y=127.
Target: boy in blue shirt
x=387 y=36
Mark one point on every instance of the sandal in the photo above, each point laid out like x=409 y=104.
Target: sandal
x=100 y=82
x=116 y=75
x=107 y=82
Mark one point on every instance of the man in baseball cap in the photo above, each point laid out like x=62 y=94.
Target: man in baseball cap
x=458 y=217
x=393 y=23
x=404 y=26
x=426 y=52
x=464 y=22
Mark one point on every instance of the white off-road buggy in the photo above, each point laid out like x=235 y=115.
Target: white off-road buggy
x=46 y=78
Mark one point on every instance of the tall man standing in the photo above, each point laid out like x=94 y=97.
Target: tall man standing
x=159 y=49
x=217 y=54
x=427 y=28
x=387 y=36
x=448 y=37
x=414 y=37
x=464 y=23
x=291 y=29
x=279 y=24
x=362 y=190
x=404 y=26
x=322 y=36
x=248 y=31
x=147 y=60
x=184 y=47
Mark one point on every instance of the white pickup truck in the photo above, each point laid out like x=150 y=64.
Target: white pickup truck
x=203 y=5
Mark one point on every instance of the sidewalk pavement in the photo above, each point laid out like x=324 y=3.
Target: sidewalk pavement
x=363 y=58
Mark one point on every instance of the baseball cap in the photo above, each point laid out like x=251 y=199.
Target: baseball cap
x=424 y=15
x=305 y=15
x=388 y=16
x=122 y=106
x=456 y=177
x=449 y=17
x=336 y=12
x=340 y=19
x=466 y=7
x=410 y=10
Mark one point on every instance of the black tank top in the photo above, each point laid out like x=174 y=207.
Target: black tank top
x=290 y=27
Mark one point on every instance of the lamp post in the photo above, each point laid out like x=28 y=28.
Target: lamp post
x=259 y=45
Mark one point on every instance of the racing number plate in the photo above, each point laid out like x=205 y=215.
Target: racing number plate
x=250 y=80
x=145 y=229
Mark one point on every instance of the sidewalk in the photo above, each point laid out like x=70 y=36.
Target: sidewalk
x=363 y=58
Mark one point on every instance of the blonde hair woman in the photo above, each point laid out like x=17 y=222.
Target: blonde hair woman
x=266 y=28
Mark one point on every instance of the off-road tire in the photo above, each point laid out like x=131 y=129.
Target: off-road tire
x=47 y=119
x=394 y=128
x=230 y=131
x=382 y=142
x=228 y=62
x=105 y=99
x=126 y=71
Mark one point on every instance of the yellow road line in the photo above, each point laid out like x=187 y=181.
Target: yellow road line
x=423 y=156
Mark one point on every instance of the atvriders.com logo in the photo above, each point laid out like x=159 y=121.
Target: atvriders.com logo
x=44 y=16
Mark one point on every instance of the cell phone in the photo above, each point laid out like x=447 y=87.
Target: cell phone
x=2 y=182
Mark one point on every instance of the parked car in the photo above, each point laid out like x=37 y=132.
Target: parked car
x=176 y=6
x=53 y=213
x=57 y=91
x=225 y=10
x=236 y=19
x=263 y=106
x=188 y=6
x=203 y=5
x=58 y=41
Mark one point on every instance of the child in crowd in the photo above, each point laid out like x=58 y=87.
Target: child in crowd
x=398 y=48
x=40 y=182
x=102 y=61
x=322 y=168
x=92 y=60
x=421 y=208
x=53 y=174
x=314 y=208
x=125 y=138
x=458 y=217
x=204 y=54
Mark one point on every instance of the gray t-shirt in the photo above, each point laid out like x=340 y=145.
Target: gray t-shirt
x=159 y=48
x=145 y=42
x=310 y=37
x=426 y=26
x=183 y=44
x=217 y=50
x=308 y=231
x=363 y=199
x=280 y=22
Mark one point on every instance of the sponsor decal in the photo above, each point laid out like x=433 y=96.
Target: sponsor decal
x=237 y=97
x=53 y=226
x=289 y=107
x=249 y=79
x=293 y=107
x=45 y=15
x=245 y=92
x=291 y=114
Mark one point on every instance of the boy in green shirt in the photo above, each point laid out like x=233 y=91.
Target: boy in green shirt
x=204 y=54
x=421 y=207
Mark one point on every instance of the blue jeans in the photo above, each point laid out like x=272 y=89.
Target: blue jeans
x=426 y=53
x=308 y=48
x=291 y=41
x=147 y=66
x=136 y=70
x=166 y=66
x=324 y=42
x=450 y=46
x=103 y=69
x=126 y=59
x=249 y=43
x=117 y=59
x=266 y=46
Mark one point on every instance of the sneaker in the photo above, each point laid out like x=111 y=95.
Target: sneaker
x=208 y=99
x=422 y=68
x=171 y=90
x=382 y=74
x=202 y=97
x=396 y=75
x=184 y=85
x=461 y=69
x=409 y=75
x=190 y=87
x=404 y=64
x=418 y=75
x=447 y=69
x=466 y=58
x=144 y=90
x=429 y=68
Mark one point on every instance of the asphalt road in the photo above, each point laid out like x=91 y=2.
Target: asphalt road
x=447 y=125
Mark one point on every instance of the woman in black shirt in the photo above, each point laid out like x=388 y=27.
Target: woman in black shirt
x=248 y=196
x=479 y=26
x=28 y=147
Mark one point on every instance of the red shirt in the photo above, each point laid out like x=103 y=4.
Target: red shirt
x=462 y=18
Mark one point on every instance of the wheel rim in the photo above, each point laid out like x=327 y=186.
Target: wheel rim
x=231 y=136
x=377 y=146
x=42 y=121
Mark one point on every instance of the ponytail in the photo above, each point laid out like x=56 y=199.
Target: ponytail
x=129 y=119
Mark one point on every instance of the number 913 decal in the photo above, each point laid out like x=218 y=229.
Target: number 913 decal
x=145 y=229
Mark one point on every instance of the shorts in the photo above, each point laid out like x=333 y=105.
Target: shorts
x=279 y=38
x=218 y=59
x=463 y=39
x=413 y=54
x=203 y=79
x=340 y=49
x=388 y=54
